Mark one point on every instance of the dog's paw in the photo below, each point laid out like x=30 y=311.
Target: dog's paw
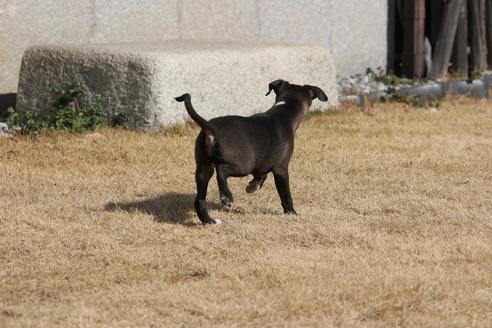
x=252 y=187
x=290 y=212
x=226 y=203
x=213 y=221
x=227 y=206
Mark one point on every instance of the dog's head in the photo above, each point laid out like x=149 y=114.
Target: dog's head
x=307 y=93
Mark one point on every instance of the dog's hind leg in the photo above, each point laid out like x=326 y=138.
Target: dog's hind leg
x=256 y=183
x=225 y=194
x=282 y=183
x=202 y=176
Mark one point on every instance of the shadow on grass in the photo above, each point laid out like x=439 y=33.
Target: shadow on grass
x=174 y=208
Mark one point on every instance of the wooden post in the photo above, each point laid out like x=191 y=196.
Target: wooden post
x=390 y=35
x=445 y=39
x=413 y=36
x=478 y=41
x=459 y=58
x=434 y=20
x=488 y=26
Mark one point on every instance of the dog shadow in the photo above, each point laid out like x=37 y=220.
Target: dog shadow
x=174 y=208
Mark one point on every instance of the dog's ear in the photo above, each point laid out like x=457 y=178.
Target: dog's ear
x=276 y=85
x=316 y=92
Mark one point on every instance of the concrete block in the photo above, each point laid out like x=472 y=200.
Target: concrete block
x=142 y=79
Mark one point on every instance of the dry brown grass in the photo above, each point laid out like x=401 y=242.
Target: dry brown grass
x=395 y=228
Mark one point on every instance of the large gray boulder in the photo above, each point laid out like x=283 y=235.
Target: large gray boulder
x=142 y=79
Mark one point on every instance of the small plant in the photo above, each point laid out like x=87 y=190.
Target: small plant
x=28 y=122
x=456 y=75
x=412 y=100
x=120 y=119
x=477 y=74
x=65 y=114
x=389 y=78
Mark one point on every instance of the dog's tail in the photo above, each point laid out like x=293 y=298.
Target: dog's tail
x=203 y=123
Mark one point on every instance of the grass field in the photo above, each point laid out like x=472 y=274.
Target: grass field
x=395 y=228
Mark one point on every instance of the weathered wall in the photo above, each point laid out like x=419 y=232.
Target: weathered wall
x=354 y=30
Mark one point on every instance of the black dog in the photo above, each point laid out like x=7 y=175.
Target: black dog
x=237 y=146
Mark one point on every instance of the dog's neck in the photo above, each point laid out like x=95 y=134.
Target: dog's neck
x=293 y=108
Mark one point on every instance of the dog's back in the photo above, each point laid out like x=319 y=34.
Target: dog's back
x=248 y=143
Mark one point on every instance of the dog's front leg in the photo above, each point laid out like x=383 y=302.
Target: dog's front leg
x=202 y=176
x=281 y=177
x=225 y=194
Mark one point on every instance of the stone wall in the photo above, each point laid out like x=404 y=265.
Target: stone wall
x=353 y=30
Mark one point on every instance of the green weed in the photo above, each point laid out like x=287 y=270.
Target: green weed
x=65 y=114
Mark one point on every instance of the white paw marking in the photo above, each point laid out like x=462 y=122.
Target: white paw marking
x=227 y=207
x=279 y=103
x=217 y=221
